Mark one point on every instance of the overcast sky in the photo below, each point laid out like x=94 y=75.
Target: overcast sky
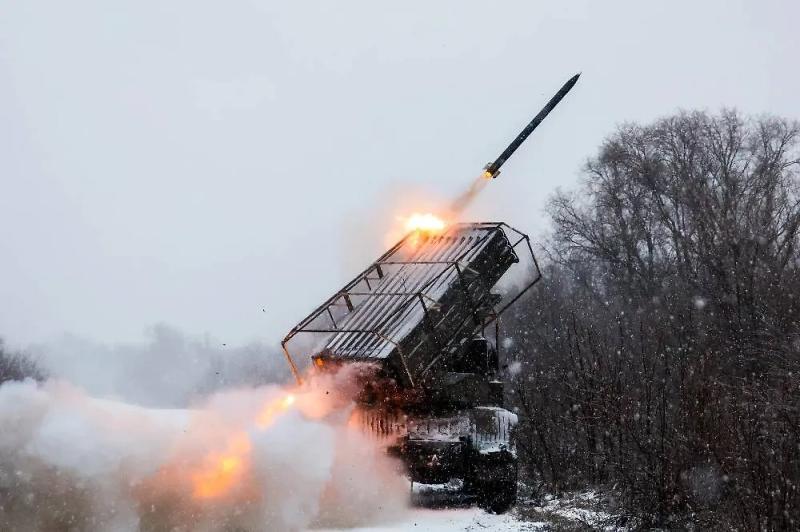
x=194 y=162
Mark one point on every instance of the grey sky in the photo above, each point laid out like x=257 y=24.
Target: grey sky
x=192 y=162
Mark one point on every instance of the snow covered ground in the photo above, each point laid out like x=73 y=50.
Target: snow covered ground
x=458 y=519
x=578 y=508
x=574 y=512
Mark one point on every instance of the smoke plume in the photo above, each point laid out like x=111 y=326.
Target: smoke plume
x=167 y=368
x=467 y=197
x=266 y=458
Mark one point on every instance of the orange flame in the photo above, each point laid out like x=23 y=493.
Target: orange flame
x=222 y=471
x=424 y=222
x=272 y=409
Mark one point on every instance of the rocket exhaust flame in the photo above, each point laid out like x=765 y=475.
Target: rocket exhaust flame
x=430 y=223
x=419 y=224
x=424 y=222
x=223 y=471
x=264 y=458
x=272 y=409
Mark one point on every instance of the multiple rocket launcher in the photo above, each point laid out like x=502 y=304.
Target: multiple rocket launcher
x=419 y=313
x=416 y=300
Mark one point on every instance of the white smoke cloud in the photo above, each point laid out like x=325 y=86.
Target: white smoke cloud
x=71 y=461
x=166 y=369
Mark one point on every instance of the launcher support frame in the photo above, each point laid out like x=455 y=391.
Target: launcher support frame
x=520 y=244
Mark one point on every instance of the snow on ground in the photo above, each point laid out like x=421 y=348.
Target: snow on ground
x=577 y=511
x=580 y=508
x=470 y=519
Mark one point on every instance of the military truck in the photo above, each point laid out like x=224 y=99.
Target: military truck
x=426 y=315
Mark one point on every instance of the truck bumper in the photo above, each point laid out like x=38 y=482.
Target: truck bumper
x=432 y=461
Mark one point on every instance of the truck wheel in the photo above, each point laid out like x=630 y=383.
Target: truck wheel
x=495 y=486
x=497 y=497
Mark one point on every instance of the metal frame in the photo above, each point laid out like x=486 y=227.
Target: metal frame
x=350 y=289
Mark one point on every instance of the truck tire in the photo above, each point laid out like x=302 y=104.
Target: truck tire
x=493 y=482
x=497 y=497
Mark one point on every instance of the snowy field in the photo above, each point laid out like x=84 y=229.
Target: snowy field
x=459 y=519
x=574 y=512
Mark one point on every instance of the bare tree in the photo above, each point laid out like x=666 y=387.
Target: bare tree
x=661 y=352
x=17 y=366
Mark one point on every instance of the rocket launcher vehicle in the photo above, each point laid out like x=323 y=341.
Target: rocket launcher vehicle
x=420 y=303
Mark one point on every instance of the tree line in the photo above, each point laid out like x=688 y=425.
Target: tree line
x=660 y=355
x=17 y=366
